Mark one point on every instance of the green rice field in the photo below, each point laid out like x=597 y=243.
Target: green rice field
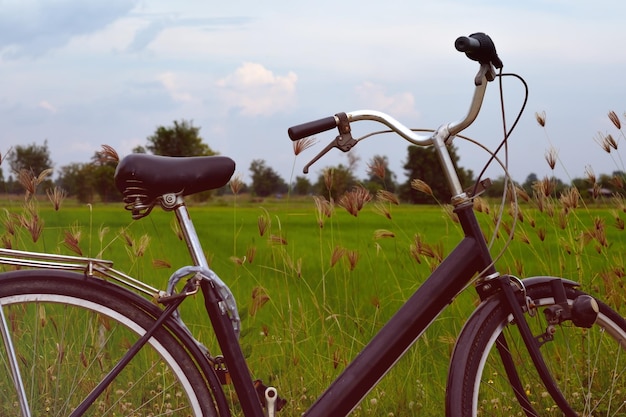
x=314 y=283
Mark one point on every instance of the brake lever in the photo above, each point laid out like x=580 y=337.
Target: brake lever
x=344 y=141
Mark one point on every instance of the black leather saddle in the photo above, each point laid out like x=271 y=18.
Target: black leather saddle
x=150 y=176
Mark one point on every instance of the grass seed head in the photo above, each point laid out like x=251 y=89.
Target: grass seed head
x=301 y=145
x=377 y=167
x=551 y=157
x=541 y=118
x=421 y=186
x=615 y=119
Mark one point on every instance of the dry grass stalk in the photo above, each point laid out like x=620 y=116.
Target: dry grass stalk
x=377 y=167
x=259 y=299
x=31 y=221
x=597 y=233
x=545 y=187
x=161 y=264
x=541 y=233
x=615 y=119
x=541 y=118
x=56 y=197
x=522 y=236
x=302 y=145
x=296 y=267
x=521 y=193
x=107 y=154
x=612 y=142
x=382 y=209
x=328 y=178
x=591 y=176
x=337 y=254
x=619 y=223
x=353 y=258
x=600 y=139
x=421 y=186
x=141 y=248
x=596 y=190
x=263 y=223
x=551 y=157
x=324 y=209
x=250 y=254
x=278 y=240
x=72 y=239
x=481 y=206
x=237 y=260
x=354 y=200
x=617 y=181
x=383 y=234
x=176 y=229
x=236 y=183
x=384 y=195
x=9 y=223
x=29 y=181
x=570 y=199
x=419 y=247
x=618 y=202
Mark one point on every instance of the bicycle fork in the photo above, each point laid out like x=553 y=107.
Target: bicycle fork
x=533 y=344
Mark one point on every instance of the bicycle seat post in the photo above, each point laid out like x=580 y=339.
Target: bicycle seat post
x=176 y=203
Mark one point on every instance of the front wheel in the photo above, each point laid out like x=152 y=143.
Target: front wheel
x=69 y=330
x=588 y=364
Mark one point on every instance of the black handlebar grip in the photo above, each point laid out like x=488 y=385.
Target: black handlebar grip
x=310 y=128
x=479 y=47
x=466 y=44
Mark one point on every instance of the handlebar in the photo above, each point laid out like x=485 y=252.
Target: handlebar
x=478 y=47
x=311 y=128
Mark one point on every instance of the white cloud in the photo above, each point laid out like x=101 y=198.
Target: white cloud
x=172 y=85
x=257 y=91
x=32 y=27
x=43 y=104
x=375 y=96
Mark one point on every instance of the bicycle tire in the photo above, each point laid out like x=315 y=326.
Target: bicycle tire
x=69 y=330
x=588 y=365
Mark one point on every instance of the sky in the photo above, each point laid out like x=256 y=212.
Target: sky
x=80 y=74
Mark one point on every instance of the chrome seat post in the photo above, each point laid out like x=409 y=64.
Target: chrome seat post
x=176 y=202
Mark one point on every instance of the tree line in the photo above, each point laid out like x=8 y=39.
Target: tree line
x=93 y=181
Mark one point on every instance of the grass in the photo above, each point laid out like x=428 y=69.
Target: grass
x=313 y=289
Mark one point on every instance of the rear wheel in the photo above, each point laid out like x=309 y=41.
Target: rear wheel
x=588 y=364
x=68 y=331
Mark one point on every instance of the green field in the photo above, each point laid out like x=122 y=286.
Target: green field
x=311 y=297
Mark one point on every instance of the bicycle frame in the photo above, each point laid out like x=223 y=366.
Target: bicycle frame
x=469 y=261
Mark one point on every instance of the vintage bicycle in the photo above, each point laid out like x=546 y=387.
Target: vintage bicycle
x=123 y=348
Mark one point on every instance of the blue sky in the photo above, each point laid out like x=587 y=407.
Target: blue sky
x=84 y=73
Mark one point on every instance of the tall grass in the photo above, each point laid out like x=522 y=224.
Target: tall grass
x=315 y=279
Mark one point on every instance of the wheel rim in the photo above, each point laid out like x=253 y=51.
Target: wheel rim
x=64 y=347
x=593 y=381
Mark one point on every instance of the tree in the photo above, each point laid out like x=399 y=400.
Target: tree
x=182 y=139
x=334 y=181
x=423 y=164
x=265 y=181
x=302 y=186
x=90 y=180
x=34 y=158
x=528 y=184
